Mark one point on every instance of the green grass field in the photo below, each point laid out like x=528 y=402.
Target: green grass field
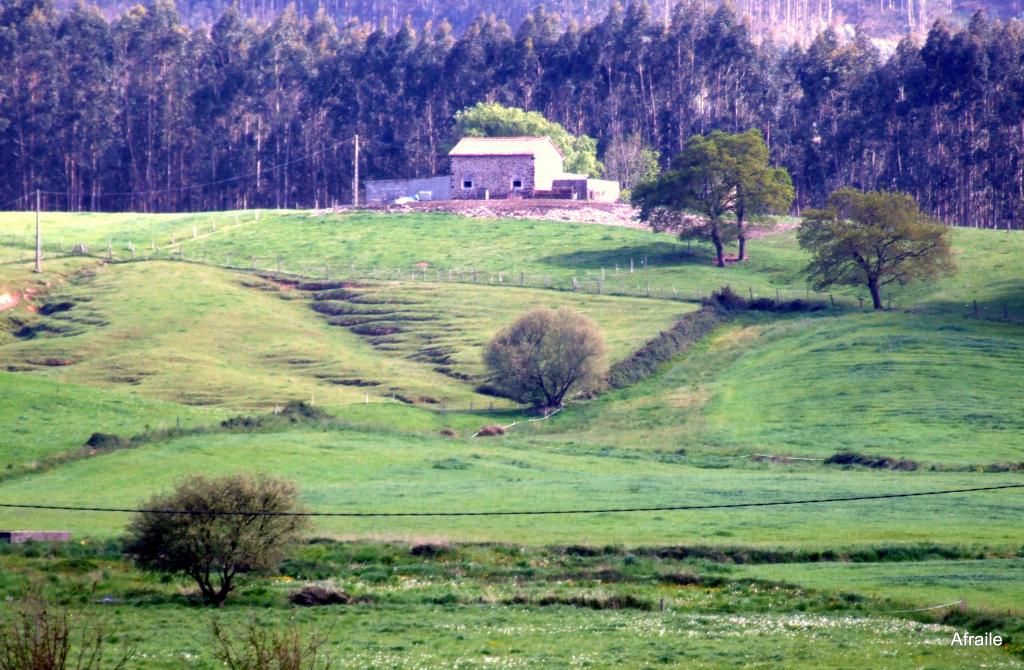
x=142 y=349
x=391 y=245
x=199 y=336
x=352 y=471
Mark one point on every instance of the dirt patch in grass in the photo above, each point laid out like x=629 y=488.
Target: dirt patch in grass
x=347 y=381
x=51 y=362
x=375 y=330
x=315 y=595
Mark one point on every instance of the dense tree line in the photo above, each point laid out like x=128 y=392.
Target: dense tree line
x=782 y=20
x=143 y=112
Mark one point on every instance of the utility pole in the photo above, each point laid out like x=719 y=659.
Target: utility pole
x=355 y=173
x=39 y=238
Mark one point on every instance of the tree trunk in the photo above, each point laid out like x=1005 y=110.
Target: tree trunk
x=876 y=296
x=716 y=239
x=741 y=235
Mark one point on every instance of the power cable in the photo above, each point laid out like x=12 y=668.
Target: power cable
x=610 y=510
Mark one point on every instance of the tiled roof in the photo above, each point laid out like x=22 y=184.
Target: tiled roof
x=502 y=146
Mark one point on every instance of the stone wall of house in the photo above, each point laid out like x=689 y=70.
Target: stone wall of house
x=493 y=173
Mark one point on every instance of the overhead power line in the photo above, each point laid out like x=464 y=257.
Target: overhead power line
x=609 y=510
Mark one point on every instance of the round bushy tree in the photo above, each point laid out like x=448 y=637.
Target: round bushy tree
x=213 y=529
x=546 y=355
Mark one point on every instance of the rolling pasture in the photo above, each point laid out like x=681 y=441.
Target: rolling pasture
x=158 y=353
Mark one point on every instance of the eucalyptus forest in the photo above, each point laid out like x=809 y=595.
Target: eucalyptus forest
x=142 y=111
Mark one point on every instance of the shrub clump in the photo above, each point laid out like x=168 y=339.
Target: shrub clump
x=876 y=462
x=646 y=360
x=725 y=298
x=36 y=636
x=226 y=526
x=547 y=355
x=100 y=441
x=299 y=410
x=316 y=595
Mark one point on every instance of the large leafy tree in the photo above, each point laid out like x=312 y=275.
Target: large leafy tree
x=546 y=355
x=213 y=529
x=718 y=175
x=486 y=119
x=873 y=239
x=760 y=188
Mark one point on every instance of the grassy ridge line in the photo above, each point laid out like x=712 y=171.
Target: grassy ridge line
x=928 y=388
x=44 y=417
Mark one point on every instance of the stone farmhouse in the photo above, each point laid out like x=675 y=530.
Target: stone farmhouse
x=498 y=168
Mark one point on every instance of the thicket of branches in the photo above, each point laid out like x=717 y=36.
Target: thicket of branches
x=245 y=114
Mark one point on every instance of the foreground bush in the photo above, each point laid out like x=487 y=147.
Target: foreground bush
x=546 y=355
x=225 y=526
x=259 y=649
x=35 y=636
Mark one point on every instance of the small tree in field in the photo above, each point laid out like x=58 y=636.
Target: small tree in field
x=225 y=526
x=873 y=239
x=545 y=355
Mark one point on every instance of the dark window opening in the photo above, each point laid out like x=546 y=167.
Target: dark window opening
x=467 y=183
x=517 y=183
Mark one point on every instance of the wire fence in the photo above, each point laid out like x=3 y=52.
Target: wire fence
x=630 y=276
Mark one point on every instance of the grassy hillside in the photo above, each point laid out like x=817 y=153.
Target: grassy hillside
x=935 y=389
x=43 y=417
x=390 y=245
x=198 y=335
x=128 y=348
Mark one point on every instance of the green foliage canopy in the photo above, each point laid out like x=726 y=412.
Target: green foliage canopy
x=717 y=175
x=547 y=354
x=490 y=119
x=875 y=239
x=228 y=525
